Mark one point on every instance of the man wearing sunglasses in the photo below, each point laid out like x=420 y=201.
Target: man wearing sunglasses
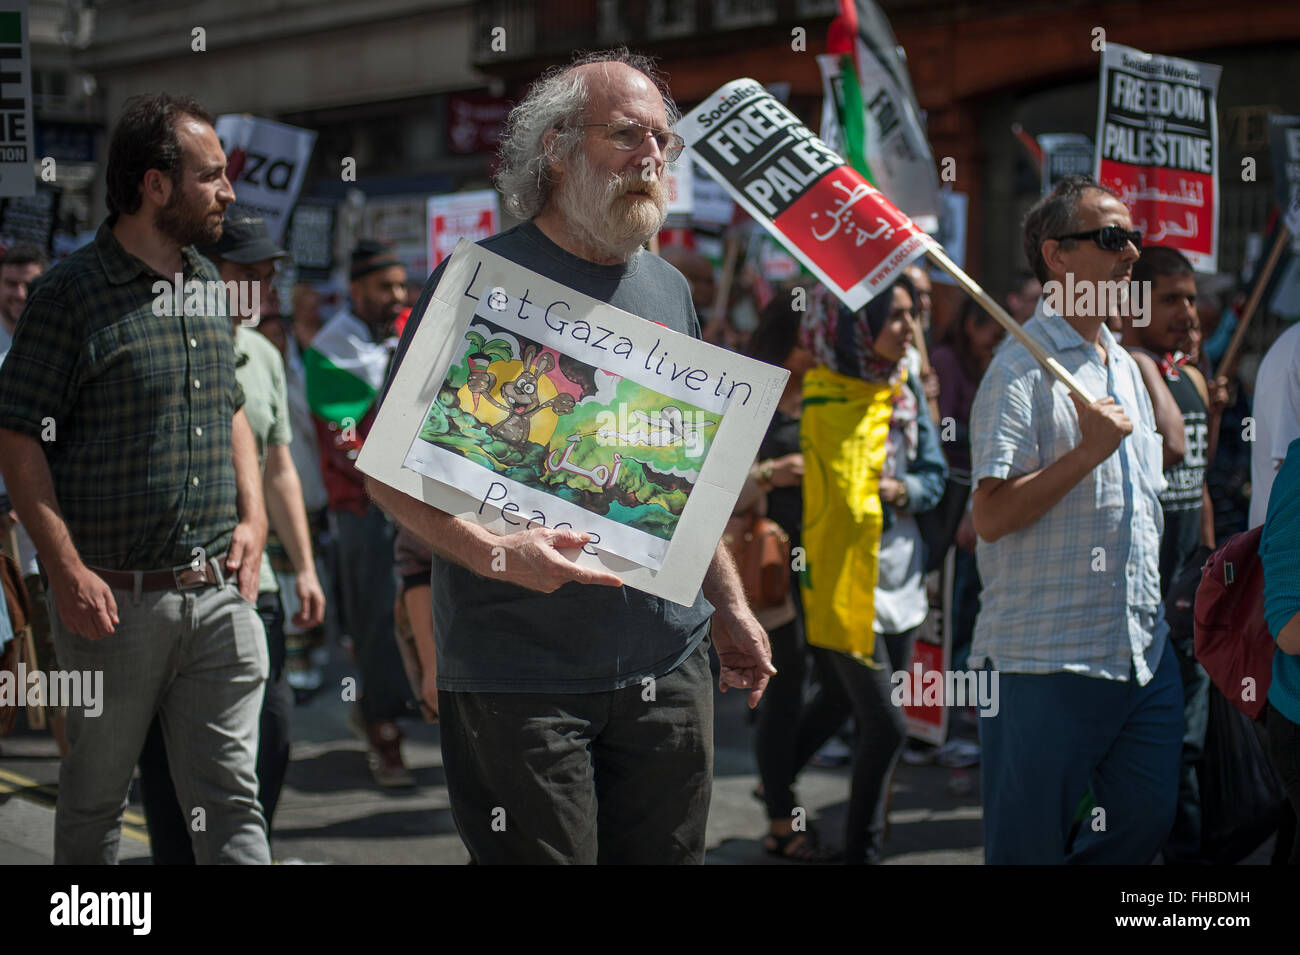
x=577 y=714
x=1067 y=510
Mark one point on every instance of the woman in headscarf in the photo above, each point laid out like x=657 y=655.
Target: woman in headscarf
x=872 y=462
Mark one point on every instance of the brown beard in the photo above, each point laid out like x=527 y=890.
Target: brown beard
x=590 y=206
x=184 y=223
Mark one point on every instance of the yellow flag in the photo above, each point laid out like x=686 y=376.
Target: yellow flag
x=842 y=435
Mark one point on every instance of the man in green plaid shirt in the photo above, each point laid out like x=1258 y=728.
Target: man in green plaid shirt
x=130 y=461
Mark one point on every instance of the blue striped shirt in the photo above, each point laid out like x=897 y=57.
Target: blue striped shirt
x=1078 y=590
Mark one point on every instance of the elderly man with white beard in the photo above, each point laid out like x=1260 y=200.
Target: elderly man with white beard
x=553 y=750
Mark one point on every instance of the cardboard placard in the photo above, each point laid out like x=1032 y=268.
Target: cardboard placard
x=842 y=228
x=646 y=451
x=1158 y=147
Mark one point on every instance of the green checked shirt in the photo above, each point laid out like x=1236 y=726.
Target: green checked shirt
x=133 y=409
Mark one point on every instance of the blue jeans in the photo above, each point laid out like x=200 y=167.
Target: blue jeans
x=1056 y=736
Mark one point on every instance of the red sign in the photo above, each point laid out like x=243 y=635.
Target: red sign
x=463 y=215
x=927 y=717
x=1157 y=147
x=474 y=122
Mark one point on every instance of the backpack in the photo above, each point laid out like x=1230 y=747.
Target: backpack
x=1233 y=643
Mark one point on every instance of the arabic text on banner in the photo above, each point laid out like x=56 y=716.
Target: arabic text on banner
x=850 y=236
x=1158 y=147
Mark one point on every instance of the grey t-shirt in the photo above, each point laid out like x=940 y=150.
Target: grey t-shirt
x=493 y=636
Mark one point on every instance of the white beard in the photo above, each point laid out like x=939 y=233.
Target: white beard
x=598 y=215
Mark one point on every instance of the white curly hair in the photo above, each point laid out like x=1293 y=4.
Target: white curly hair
x=556 y=101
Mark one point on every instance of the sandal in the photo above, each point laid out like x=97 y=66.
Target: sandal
x=799 y=847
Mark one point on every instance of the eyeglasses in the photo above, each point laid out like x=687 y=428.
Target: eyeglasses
x=627 y=135
x=1112 y=238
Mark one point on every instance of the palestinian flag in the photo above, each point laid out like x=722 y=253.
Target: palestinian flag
x=345 y=370
x=871 y=114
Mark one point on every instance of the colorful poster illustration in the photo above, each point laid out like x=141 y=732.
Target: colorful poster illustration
x=522 y=403
x=547 y=423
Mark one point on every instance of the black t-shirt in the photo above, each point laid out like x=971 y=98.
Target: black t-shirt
x=496 y=637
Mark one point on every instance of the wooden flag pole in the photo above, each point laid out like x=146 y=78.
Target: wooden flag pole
x=723 y=292
x=990 y=305
x=1226 y=368
x=926 y=368
x=1252 y=303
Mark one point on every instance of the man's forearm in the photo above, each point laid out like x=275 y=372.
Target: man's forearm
x=1019 y=501
x=31 y=488
x=248 y=477
x=461 y=542
x=1207 y=518
x=722 y=586
x=287 y=512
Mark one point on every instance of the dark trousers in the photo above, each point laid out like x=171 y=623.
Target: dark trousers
x=777 y=730
x=881 y=732
x=622 y=776
x=1184 y=843
x=169 y=829
x=369 y=589
x=966 y=589
x=1284 y=753
x=1058 y=735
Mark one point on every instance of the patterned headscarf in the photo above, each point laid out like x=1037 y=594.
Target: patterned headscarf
x=843 y=342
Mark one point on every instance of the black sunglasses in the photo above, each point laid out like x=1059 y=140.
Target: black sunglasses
x=1112 y=238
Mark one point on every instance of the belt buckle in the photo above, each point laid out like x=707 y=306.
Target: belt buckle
x=178 y=577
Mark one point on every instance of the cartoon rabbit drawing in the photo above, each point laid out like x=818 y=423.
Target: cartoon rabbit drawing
x=522 y=395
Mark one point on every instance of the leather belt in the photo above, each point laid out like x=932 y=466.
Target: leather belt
x=184 y=577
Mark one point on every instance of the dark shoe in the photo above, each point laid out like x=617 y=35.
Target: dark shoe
x=799 y=847
x=386 y=763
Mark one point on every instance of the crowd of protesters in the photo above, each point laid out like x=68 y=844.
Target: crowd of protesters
x=200 y=522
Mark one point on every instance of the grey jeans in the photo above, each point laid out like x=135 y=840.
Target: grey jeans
x=197 y=658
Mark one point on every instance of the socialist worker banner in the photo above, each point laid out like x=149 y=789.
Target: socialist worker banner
x=843 y=229
x=1158 y=147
